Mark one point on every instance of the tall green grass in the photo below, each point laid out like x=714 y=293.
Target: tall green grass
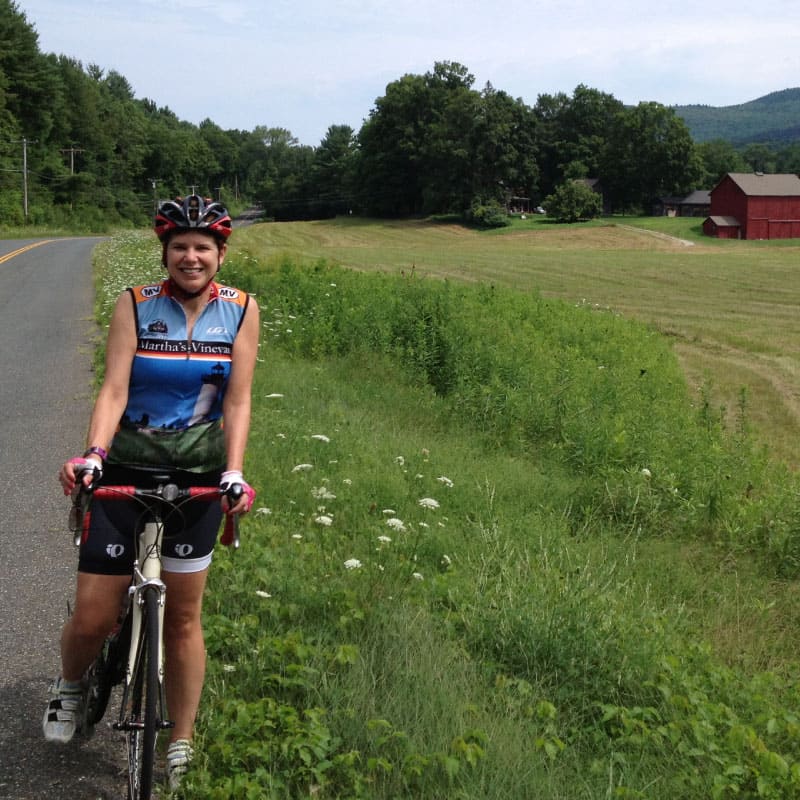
x=459 y=580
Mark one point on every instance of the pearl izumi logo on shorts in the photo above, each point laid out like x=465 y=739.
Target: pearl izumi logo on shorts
x=183 y=550
x=115 y=550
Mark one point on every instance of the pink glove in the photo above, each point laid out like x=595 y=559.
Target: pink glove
x=79 y=468
x=229 y=480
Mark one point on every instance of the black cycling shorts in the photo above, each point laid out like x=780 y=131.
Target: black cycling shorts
x=108 y=543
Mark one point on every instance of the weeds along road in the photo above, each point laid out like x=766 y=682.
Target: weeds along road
x=47 y=333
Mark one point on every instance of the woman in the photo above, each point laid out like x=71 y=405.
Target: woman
x=180 y=356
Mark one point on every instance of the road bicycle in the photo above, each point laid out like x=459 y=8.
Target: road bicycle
x=133 y=653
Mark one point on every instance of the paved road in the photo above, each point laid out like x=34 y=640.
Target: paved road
x=46 y=338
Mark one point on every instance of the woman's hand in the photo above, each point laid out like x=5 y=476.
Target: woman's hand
x=87 y=469
x=236 y=500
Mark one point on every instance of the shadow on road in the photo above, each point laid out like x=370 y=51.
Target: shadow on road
x=34 y=769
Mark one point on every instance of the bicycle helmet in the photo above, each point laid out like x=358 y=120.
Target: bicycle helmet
x=192 y=213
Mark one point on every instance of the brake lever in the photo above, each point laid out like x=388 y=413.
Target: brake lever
x=81 y=496
x=230 y=535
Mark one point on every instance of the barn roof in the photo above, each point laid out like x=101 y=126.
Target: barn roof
x=724 y=221
x=758 y=184
x=699 y=197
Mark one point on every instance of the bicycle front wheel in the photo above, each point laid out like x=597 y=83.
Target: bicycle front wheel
x=142 y=704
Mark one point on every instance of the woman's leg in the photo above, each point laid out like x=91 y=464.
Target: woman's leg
x=98 y=599
x=185 y=649
x=97 y=605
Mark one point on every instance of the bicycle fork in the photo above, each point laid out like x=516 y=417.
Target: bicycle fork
x=147 y=578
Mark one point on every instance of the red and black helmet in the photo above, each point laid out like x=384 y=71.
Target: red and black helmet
x=192 y=213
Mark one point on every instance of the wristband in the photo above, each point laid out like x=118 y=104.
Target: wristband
x=96 y=451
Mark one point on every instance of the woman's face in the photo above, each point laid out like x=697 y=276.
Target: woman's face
x=192 y=259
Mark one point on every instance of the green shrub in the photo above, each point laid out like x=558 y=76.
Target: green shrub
x=490 y=214
x=573 y=201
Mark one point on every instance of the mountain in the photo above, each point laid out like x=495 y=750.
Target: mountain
x=772 y=118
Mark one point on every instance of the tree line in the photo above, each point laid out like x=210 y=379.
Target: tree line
x=76 y=146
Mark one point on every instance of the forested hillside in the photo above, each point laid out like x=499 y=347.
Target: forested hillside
x=772 y=118
x=78 y=149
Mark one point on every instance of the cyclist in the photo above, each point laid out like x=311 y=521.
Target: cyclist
x=180 y=356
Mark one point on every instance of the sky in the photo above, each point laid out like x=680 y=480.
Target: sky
x=305 y=65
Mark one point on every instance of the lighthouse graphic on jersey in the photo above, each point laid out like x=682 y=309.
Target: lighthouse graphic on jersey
x=209 y=393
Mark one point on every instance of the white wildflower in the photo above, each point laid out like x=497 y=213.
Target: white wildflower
x=229 y=668
x=320 y=437
x=446 y=560
x=384 y=539
x=352 y=563
x=400 y=460
x=265 y=595
x=322 y=493
x=324 y=519
x=646 y=472
x=274 y=396
x=446 y=481
x=417 y=576
x=264 y=510
x=347 y=482
x=388 y=511
x=396 y=524
x=302 y=468
x=423 y=525
x=297 y=536
x=429 y=502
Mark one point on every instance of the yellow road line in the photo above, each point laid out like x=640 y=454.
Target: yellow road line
x=9 y=256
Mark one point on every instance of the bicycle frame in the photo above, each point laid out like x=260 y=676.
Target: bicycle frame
x=146 y=574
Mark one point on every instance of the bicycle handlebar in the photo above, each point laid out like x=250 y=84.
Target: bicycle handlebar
x=166 y=492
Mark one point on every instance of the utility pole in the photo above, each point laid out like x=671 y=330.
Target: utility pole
x=153 y=182
x=24 y=142
x=25 y=177
x=72 y=151
x=194 y=188
x=218 y=190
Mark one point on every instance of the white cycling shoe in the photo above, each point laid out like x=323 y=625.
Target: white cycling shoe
x=62 y=715
x=179 y=754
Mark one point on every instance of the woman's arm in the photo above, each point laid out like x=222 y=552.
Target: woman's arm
x=237 y=402
x=113 y=395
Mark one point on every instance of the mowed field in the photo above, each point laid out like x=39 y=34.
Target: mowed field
x=729 y=307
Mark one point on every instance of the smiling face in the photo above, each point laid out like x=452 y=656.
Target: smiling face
x=192 y=259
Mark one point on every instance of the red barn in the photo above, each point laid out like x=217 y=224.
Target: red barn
x=763 y=206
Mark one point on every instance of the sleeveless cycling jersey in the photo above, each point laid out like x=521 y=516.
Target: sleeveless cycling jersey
x=177 y=382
